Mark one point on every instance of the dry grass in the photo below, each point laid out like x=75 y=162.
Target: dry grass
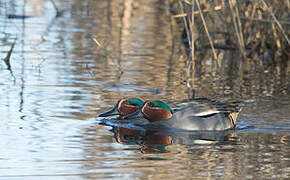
x=248 y=25
x=257 y=31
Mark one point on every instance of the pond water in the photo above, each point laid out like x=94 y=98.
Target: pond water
x=60 y=80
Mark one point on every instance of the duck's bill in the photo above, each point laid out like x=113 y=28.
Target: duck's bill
x=111 y=112
x=132 y=115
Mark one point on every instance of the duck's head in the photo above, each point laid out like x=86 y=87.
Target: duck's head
x=156 y=110
x=125 y=106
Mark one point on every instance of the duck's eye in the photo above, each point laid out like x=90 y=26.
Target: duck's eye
x=128 y=102
x=151 y=104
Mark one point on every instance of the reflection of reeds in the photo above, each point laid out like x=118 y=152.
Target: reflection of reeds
x=7 y=58
x=58 y=12
x=109 y=55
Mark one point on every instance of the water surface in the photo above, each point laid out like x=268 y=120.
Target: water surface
x=60 y=80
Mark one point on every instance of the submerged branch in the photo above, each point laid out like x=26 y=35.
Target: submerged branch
x=17 y=16
x=7 y=58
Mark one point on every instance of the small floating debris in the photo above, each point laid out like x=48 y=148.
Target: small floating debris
x=17 y=16
x=7 y=58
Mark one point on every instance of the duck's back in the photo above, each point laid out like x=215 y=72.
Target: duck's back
x=203 y=114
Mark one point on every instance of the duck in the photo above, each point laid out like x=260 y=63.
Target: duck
x=197 y=114
x=130 y=105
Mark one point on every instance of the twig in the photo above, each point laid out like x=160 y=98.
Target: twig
x=7 y=58
x=217 y=8
x=97 y=42
x=103 y=48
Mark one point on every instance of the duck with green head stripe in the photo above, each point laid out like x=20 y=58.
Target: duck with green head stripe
x=198 y=114
x=125 y=106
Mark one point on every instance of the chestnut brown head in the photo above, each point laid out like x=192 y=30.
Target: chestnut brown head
x=125 y=106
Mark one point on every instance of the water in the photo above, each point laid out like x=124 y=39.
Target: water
x=60 y=80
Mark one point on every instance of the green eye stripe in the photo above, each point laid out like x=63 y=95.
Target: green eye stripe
x=161 y=104
x=135 y=101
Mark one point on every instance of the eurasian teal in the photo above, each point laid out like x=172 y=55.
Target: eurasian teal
x=197 y=114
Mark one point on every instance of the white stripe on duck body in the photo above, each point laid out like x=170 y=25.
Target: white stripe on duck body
x=195 y=114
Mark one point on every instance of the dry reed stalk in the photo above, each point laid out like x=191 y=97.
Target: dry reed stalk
x=180 y=15
x=185 y=23
x=192 y=34
x=278 y=43
x=251 y=16
x=237 y=27
x=207 y=32
x=217 y=8
x=97 y=42
x=191 y=64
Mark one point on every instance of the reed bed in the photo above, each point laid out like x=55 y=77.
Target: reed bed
x=246 y=25
x=257 y=31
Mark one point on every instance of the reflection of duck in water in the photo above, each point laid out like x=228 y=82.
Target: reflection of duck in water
x=148 y=141
x=202 y=137
x=197 y=114
x=157 y=141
